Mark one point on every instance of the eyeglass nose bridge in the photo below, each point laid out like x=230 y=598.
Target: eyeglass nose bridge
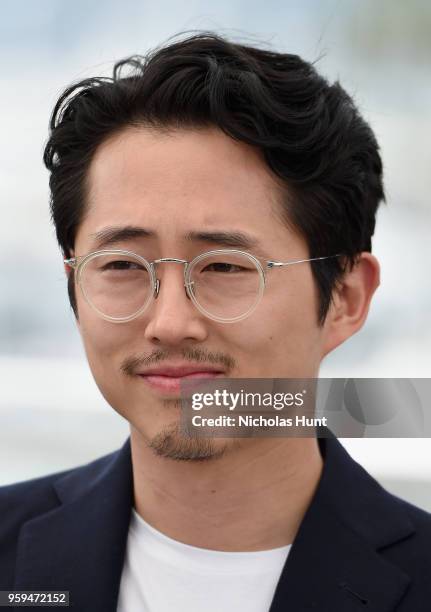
x=157 y=281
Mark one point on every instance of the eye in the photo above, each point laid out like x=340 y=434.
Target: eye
x=121 y=265
x=228 y=268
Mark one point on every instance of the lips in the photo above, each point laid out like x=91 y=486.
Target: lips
x=168 y=379
x=179 y=371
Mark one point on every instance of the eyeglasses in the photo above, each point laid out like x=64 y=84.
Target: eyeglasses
x=225 y=285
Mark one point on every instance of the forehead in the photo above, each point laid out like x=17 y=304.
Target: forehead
x=181 y=181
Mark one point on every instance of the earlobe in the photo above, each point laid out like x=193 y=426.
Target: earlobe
x=351 y=301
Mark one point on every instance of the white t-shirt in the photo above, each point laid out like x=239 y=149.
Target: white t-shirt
x=161 y=575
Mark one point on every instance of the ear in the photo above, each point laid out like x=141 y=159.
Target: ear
x=351 y=302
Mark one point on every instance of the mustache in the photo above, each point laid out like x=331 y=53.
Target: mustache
x=130 y=364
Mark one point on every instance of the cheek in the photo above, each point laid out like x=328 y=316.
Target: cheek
x=103 y=342
x=294 y=300
x=105 y=345
x=282 y=338
x=101 y=338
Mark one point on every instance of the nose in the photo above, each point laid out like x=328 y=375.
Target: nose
x=172 y=317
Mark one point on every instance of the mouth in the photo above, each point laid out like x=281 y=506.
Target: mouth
x=171 y=384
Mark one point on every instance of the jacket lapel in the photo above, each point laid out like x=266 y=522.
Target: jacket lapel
x=80 y=545
x=334 y=564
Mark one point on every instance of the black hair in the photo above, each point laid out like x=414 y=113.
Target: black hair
x=310 y=133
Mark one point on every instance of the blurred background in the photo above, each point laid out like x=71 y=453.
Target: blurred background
x=52 y=415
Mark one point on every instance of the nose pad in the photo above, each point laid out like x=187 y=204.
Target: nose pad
x=158 y=284
x=157 y=289
x=191 y=288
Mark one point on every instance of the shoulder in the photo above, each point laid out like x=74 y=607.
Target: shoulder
x=353 y=503
x=421 y=518
x=421 y=521
x=26 y=506
x=412 y=554
x=37 y=493
x=22 y=501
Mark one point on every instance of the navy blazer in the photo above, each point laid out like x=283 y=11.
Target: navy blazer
x=358 y=548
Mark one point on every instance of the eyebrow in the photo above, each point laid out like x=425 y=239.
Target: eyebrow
x=109 y=236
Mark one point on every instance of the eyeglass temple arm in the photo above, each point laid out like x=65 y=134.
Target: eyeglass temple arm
x=277 y=264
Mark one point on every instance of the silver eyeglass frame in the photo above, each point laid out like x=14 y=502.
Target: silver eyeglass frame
x=79 y=262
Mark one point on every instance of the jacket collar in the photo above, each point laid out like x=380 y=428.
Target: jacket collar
x=334 y=563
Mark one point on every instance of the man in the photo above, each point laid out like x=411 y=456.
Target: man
x=173 y=186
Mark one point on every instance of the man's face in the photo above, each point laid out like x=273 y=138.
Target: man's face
x=173 y=184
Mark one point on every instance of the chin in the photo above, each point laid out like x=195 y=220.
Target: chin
x=171 y=443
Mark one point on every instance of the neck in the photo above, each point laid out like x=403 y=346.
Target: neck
x=253 y=497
